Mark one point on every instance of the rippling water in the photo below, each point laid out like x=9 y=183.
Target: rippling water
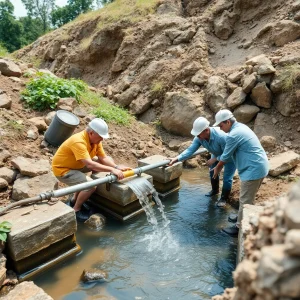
x=190 y=259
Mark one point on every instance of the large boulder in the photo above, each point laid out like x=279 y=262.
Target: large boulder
x=216 y=93
x=128 y=96
x=285 y=103
x=261 y=95
x=179 y=106
x=223 y=26
x=249 y=83
x=31 y=167
x=263 y=125
x=245 y=113
x=237 y=97
x=9 y=68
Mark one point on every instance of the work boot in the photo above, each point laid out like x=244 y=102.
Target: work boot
x=81 y=216
x=232 y=231
x=224 y=198
x=214 y=188
x=232 y=218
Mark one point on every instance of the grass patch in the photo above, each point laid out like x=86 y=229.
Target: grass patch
x=85 y=43
x=157 y=88
x=3 y=51
x=289 y=77
x=101 y=108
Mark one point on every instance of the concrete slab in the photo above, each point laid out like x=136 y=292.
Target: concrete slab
x=35 y=228
x=249 y=212
x=163 y=188
x=119 y=192
x=161 y=174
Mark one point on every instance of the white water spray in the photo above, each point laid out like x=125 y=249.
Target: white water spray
x=161 y=237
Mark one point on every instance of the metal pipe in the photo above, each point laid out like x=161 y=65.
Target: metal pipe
x=87 y=185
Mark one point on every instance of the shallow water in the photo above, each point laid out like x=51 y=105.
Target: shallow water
x=193 y=259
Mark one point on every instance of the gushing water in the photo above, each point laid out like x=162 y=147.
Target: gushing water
x=161 y=238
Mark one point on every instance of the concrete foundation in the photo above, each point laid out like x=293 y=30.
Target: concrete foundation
x=40 y=234
x=165 y=179
x=117 y=199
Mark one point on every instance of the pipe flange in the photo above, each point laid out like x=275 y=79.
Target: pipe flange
x=139 y=172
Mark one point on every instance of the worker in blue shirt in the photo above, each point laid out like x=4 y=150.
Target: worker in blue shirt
x=214 y=140
x=243 y=146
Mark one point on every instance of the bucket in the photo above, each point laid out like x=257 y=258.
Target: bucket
x=61 y=127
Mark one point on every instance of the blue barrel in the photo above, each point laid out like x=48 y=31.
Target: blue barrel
x=61 y=127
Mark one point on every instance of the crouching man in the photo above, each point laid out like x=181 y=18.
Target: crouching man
x=75 y=156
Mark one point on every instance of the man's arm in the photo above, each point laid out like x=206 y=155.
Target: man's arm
x=218 y=168
x=98 y=167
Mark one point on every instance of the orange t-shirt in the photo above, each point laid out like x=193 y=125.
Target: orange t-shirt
x=71 y=151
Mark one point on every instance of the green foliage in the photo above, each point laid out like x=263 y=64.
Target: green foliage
x=157 y=88
x=3 y=51
x=103 y=109
x=65 y=14
x=10 y=29
x=44 y=91
x=32 y=29
x=290 y=76
x=5 y=228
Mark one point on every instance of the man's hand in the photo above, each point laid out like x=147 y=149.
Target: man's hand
x=123 y=168
x=211 y=161
x=118 y=173
x=173 y=161
x=217 y=169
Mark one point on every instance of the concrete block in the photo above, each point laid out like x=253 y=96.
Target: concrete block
x=163 y=188
x=161 y=174
x=35 y=228
x=249 y=212
x=119 y=192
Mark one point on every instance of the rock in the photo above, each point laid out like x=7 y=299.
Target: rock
x=9 y=68
x=200 y=78
x=191 y=163
x=140 y=104
x=236 y=76
x=277 y=273
x=2 y=274
x=280 y=33
x=184 y=146
x=265 y=78
x=174 y=144
x=283 y=162
x=62 y=102
x=7 y=174
x=45 y=71
x=26 y=187
x=93 y=275
x=289 y=59
x=80 y=111
x=39 y=123
x=178 y=106
x=237 y=97
x=27 y=290
x=4 y=155
x=245 y=113
x=259 y=60
x=5 y=101
x=249 y=83
x=33 y=133
x=3 y=183
x=292 y=241
x=261 y=95
x=128 y=96
x=31 y=167
x=168 y=8
x=285 y=103
x=44 y=144
x=16 y=79
x=184 y=37
x=190 y=69
x=49 y=117
x=268 y=142
x=223 y=27
x=295 y=6
x=265 y=69
x=216 y=93
x=95 y=221
x=263 y=125
x=148 y=116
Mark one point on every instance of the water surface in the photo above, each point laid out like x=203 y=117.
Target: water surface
x=192 y=259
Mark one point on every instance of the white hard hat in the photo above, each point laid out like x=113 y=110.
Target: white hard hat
x=100 y=127
x=199 y=125
x=223 y=115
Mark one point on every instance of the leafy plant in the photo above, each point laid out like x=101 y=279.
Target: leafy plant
x=103 y=109
x=5 y=227
x=16 y=125
x=3 y=51
x=44 y=91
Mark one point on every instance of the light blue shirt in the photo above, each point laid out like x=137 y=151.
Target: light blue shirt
x=215 y=145
x=248 y=155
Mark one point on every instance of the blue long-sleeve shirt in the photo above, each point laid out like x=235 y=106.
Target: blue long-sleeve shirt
x=215 y=145
x=243 y=146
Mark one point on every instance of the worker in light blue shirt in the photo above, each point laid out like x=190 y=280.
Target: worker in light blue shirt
x=214 y=140
x=243 y=146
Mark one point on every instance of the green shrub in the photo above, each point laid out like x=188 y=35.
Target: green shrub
x=44 y=91
x=101 y=108
x=3 y=51
x=5 y=227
